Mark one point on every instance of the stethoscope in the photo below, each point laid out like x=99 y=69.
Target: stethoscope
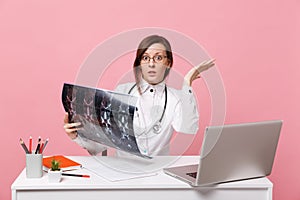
x=157 y=126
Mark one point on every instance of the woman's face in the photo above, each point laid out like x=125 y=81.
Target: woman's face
x=154 y=63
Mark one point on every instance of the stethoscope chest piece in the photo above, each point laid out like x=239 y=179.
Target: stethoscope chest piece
x=157 y=128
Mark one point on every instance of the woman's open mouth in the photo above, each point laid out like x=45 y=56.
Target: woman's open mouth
x=151 y=73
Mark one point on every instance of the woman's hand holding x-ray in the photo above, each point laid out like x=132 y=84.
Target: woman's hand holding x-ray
x=71 y=128
x=194 y=73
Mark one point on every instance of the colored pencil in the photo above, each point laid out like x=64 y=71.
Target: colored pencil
x=42 y=146
x=46 y=142
x=38 y=146
x=24 y=146
x=30 y=144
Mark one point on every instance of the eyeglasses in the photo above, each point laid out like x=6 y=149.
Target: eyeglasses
x=156 y=59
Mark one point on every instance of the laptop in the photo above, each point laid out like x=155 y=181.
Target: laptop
x=232 y=152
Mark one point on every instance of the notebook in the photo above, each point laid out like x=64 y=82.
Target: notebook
x=65 y=163
x=232 y=152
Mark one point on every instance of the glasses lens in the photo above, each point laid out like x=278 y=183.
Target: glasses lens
x=158 y=58
x=145 y=59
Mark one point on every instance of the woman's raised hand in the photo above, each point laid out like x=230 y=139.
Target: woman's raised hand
x=194 y=73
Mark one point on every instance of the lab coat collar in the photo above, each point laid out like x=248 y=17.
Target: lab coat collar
x=145 y=86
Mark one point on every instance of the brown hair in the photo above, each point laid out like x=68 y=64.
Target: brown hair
x=142 y=48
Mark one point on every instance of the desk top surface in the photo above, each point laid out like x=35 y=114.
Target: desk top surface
x=158 y=179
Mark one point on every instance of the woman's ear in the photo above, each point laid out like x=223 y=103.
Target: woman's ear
x=169 y=63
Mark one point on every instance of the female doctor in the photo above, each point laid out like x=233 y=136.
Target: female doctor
x=161 y=109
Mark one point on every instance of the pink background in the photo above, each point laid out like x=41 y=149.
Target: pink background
x=255 y=43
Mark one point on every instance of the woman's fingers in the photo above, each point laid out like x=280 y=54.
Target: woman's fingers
x=66 y=119
x=205 y=65
x=72 y=125
x=71 y=128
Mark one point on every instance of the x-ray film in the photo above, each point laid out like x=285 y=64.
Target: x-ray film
x=106 y=116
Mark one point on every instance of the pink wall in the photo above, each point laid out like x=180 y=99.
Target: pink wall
x=43 y=43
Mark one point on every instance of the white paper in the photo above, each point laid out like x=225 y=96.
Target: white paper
x=113 y=169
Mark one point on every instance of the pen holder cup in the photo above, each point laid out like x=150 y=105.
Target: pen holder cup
x=34 y=167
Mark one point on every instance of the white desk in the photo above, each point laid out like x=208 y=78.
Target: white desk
x=160 y=186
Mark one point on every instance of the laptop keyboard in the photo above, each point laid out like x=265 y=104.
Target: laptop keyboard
x=192 y=174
